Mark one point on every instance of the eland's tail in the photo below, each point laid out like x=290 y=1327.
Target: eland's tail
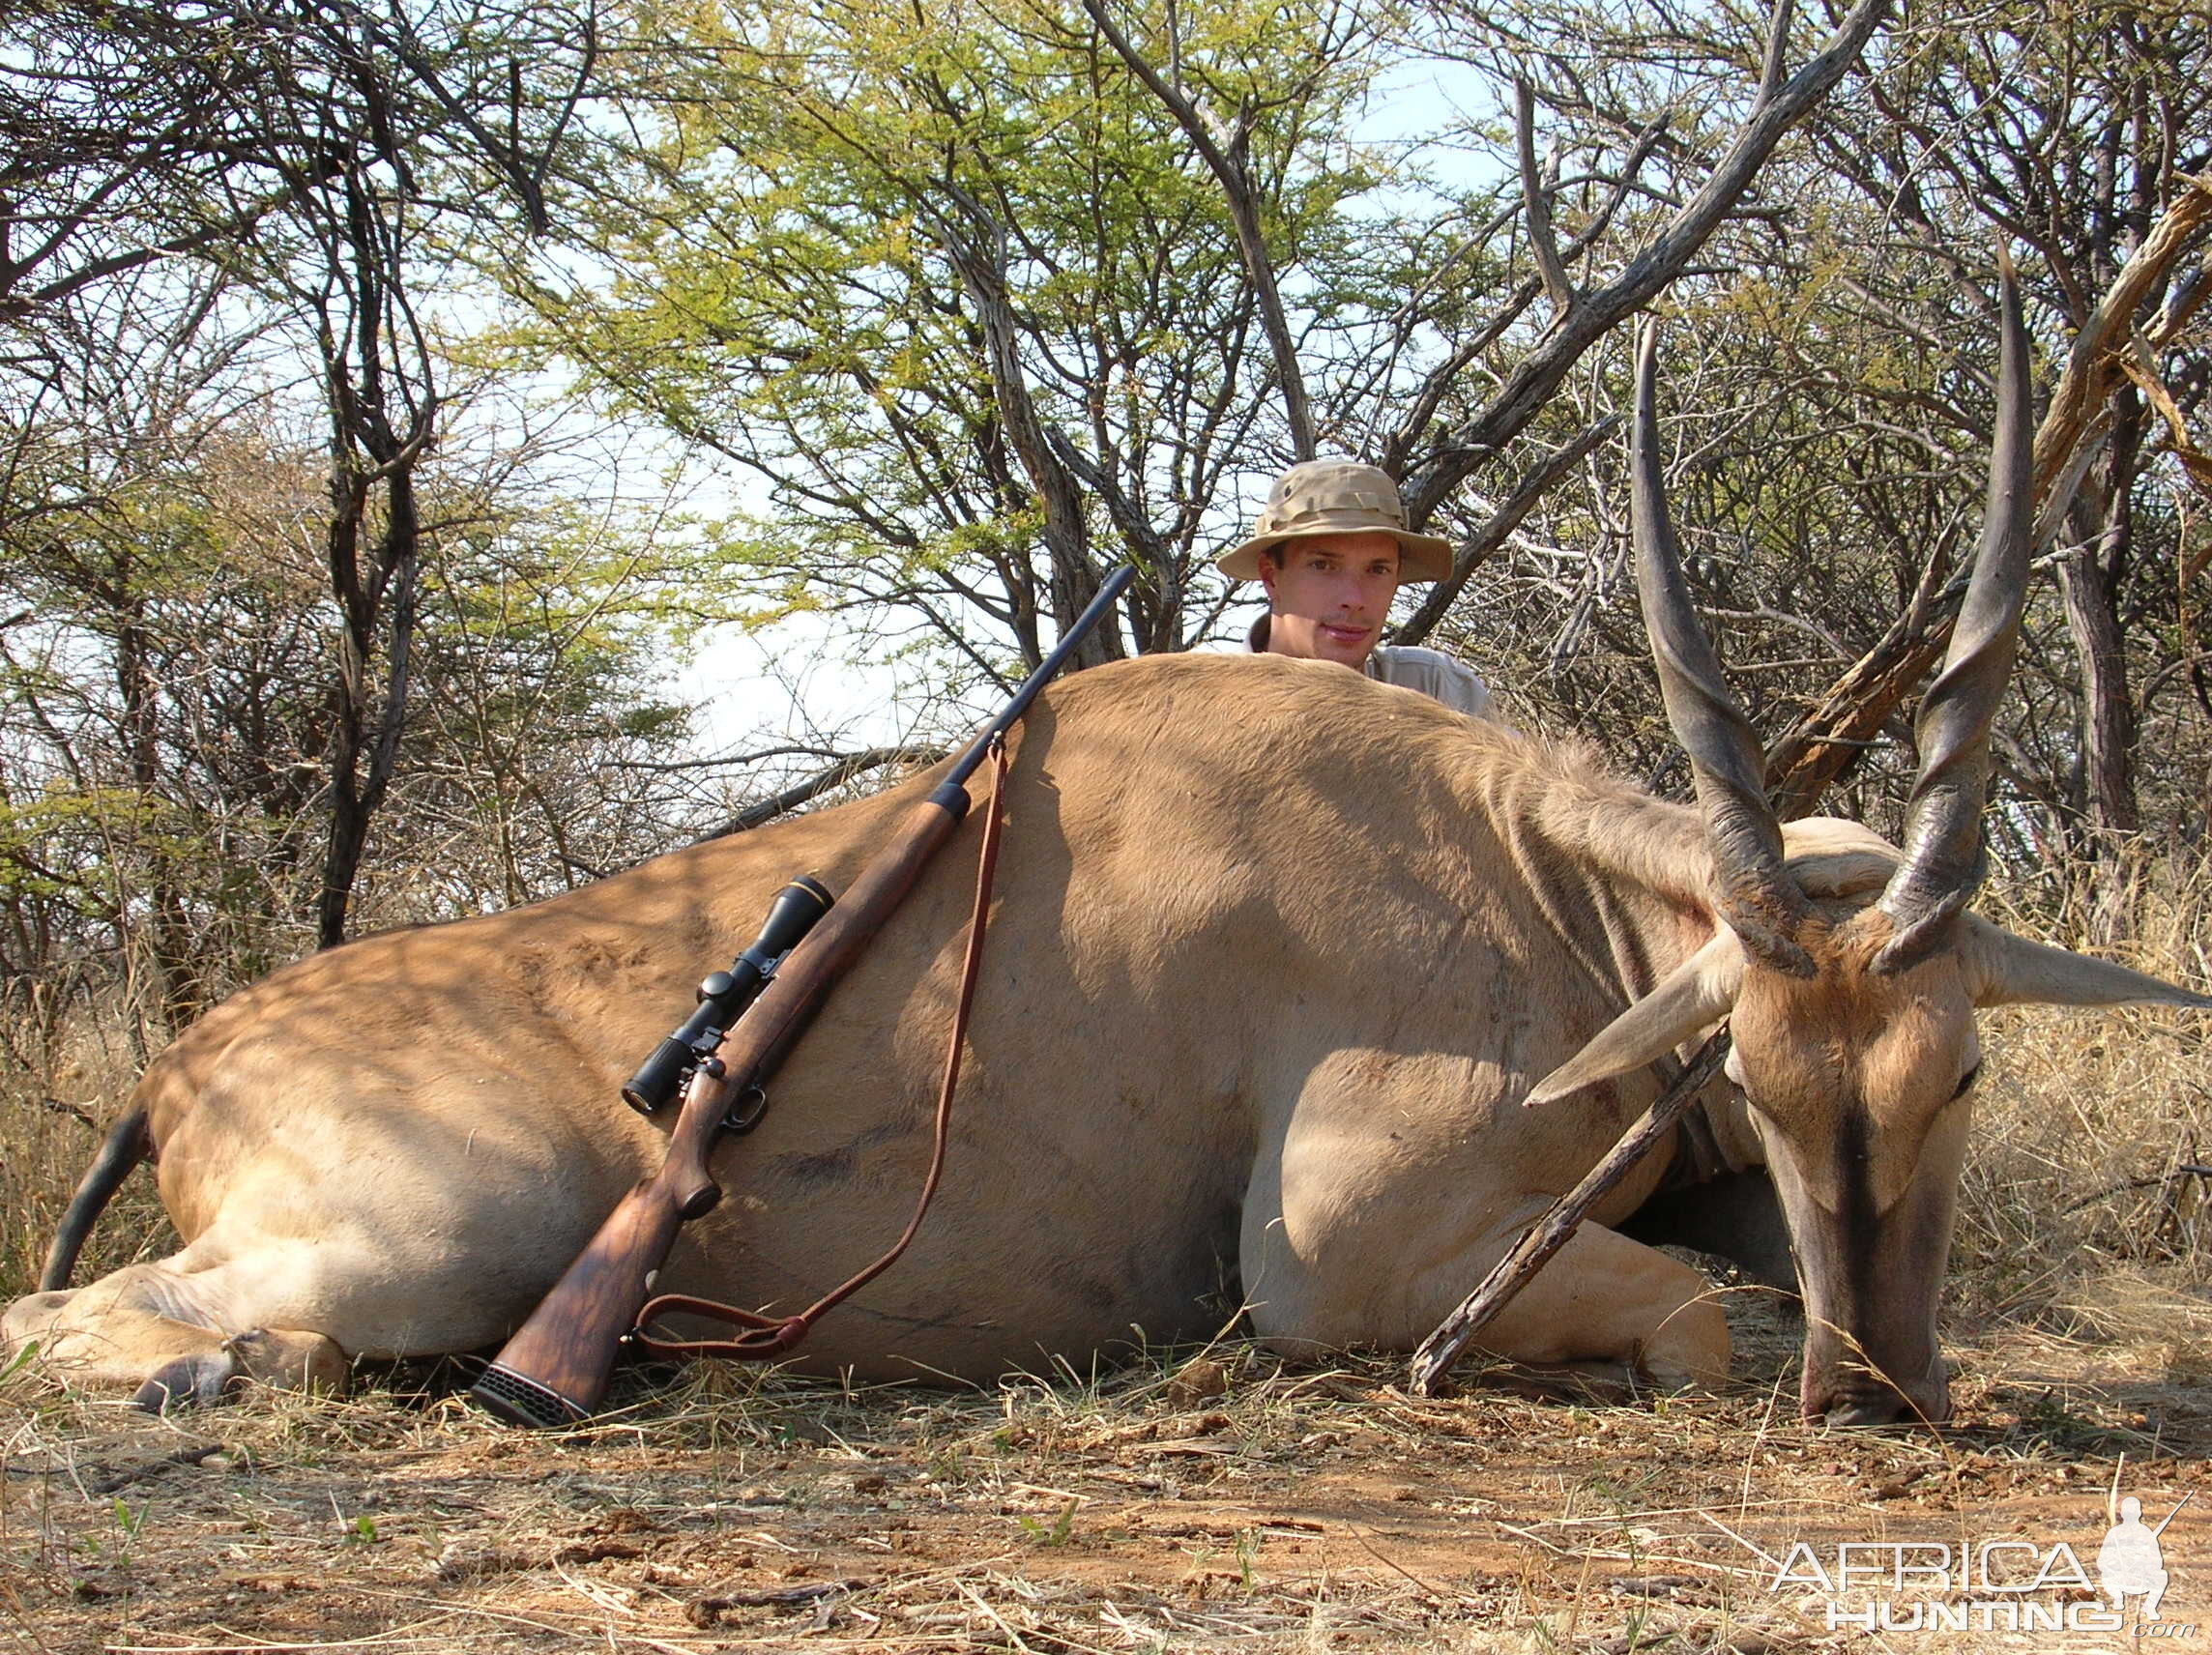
x=127 y=1143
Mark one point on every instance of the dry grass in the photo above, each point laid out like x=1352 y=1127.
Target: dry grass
x=49 y=1134
x=1222 y=1501
x=2087 y=1184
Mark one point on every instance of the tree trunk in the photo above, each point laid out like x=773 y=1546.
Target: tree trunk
x=2090 y=579
x=181 y=990
x=382 y=412
x=367 y=719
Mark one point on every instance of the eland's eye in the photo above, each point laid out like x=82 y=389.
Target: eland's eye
x=1967 y=1082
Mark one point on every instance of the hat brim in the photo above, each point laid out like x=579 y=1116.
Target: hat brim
x=1420 y=557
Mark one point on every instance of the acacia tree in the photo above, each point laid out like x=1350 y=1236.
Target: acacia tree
x=978 y=295
x=1620 y=118
x=325 y=154
x=139 y=135
x=2071 y=134
x=985 y=301
x=954 y=289
x=165 y=715
x=1827 y=362
x=111 y=535
x=215 y=662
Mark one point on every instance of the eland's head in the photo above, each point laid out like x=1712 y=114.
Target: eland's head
x=1850 y=999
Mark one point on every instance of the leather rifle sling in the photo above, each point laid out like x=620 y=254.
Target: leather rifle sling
x=765 y=1336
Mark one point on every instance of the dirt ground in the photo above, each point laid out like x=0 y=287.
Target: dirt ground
x=1218 y=1501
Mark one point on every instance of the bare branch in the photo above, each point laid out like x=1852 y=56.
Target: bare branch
x=1822 y=744
x=1533 y=382
x=1235 y=181
x=2094 y=366
x=1777 y=49
x=819 y=782
x=1535 y=200
x=1536 y=482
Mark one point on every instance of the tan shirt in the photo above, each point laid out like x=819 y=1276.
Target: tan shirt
x=1431 y=672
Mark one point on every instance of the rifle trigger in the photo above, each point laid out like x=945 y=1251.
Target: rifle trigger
x=745 y=1114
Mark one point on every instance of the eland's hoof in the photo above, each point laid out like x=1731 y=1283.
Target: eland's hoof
x=198 y=1380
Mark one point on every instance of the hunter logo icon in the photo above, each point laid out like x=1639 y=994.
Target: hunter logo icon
x=2130 y=1562
x=1991 y=1583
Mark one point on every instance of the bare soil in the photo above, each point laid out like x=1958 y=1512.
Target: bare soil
x=1221 y=1500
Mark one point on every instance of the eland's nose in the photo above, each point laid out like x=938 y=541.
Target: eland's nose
x=1866 y=1399
x=1869 y=1411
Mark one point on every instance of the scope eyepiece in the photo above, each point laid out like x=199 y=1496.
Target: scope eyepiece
x=659 y=1077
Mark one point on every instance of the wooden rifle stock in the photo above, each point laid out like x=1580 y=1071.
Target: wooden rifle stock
x=555 y=1369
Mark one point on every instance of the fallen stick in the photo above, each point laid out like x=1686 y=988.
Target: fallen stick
x=1550 y=1232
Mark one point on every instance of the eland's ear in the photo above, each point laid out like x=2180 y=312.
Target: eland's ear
x=1690 y=999
x=2006 y=970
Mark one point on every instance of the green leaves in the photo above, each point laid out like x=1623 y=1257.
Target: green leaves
x=827 y=205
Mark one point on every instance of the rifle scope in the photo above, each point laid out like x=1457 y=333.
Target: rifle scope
x=724 y=995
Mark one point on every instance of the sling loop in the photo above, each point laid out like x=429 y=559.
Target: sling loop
x=767 y=1337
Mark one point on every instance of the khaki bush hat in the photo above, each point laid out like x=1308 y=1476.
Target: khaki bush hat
x=1337 y=497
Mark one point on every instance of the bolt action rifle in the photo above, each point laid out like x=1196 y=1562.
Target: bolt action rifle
x=555 y=1369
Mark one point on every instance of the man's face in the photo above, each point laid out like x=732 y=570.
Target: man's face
x=1331 y=596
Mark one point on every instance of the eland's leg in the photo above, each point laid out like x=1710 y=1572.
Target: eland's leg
x=1602 y=1298
x=368 y=1238
x=251 y=1299
x=136 y=1328
x=1606 y=1298
x=1374 y=1212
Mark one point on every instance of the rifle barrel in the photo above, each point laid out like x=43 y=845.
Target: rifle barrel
x=1115 y=585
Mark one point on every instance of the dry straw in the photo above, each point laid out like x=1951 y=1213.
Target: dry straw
x=1185 y=1500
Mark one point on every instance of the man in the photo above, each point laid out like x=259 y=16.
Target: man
x=1332 y=548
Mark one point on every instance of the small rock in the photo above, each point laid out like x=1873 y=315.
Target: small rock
x=626 y=1520
x=1200 y=1379
x=597 y=1551
x=464 y=1560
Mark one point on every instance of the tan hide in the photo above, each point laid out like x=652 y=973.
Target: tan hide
x=1277 y=952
